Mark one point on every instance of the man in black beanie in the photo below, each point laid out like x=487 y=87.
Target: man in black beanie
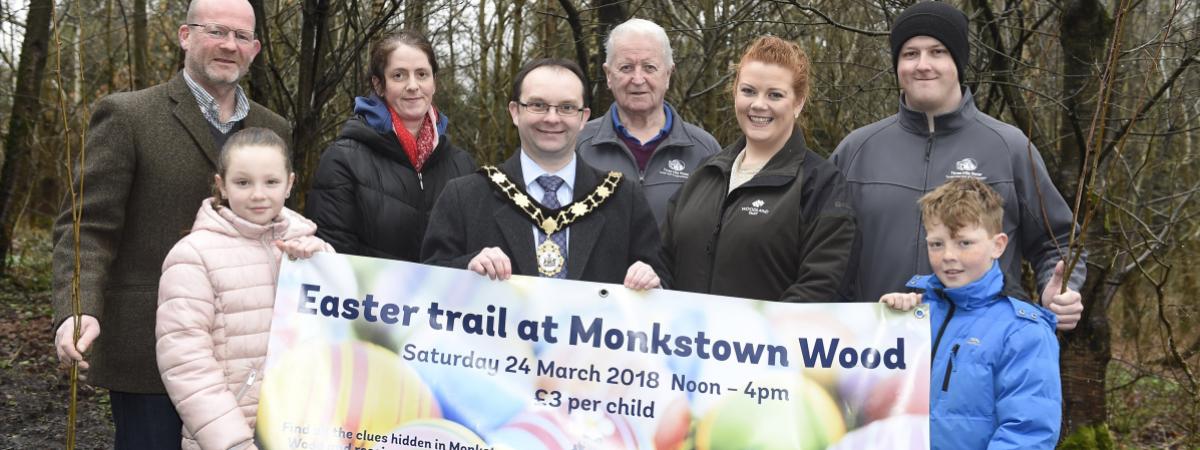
x=937 y=20
x=930 y=52
x=938 y=134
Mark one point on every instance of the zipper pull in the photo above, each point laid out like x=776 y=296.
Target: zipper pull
x=712 y=241
x=928 y=146
x=421 y=179
x=246 y=386
x=949 y=368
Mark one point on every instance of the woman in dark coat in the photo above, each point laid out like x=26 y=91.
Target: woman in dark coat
x=377 y=182
x=766 y=218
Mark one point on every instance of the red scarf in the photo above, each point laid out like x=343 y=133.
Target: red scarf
x=420 y=147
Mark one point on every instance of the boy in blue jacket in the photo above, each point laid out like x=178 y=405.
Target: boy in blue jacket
x=994 y=379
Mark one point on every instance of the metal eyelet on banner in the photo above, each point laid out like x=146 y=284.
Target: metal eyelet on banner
x=604 y=293
x=919 y=312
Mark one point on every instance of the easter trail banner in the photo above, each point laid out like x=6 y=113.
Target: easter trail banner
x=368 y=353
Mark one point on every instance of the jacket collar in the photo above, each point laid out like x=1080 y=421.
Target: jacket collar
x=784 y=167
x=677 y=137
x=587 y=179
x=916 y=122
x=365 y=127
x=668 y=122
x=187 y=112
x=212 y=110
x=375 y=113
x=223 y=220
x=977 y=294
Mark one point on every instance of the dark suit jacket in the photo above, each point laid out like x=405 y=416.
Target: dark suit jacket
x=150 y=160
x=471 y=215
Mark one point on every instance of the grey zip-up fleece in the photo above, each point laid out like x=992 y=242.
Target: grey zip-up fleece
x=682 y=151
x=893 y=162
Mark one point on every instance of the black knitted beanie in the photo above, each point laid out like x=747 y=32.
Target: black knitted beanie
x=938 y=20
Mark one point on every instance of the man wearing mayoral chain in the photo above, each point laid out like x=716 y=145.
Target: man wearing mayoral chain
x=543 y=211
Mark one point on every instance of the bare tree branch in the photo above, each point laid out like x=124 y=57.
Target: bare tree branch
x=829 y=21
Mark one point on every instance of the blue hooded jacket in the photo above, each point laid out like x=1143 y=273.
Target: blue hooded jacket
x=994 y=380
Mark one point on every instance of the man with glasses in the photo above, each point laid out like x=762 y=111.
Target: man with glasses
x=543 y=211
x=150 y=159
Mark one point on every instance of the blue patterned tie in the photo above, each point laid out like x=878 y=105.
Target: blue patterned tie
x=551 y=183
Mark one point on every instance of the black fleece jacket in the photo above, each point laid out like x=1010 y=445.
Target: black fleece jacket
x=786 y=234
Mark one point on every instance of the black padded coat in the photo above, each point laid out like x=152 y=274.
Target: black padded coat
x=367 y=199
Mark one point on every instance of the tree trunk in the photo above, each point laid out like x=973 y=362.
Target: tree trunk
x=549 y=39
x=1000 y=65
x=711 y=104
x=141 y=45
x=1084 y=33
x=26 y=109
x=415 y=16
x=611 y=13
x=1085 y=29
x=581 y=53
x=260 y=78
x=502 y=76
x=83 y=48
x=307 y=126
x=1085 y=353
x=516 y=49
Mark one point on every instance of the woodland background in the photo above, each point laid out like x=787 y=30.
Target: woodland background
x=1108 y=91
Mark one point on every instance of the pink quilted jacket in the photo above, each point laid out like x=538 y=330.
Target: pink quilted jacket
x=215 y=303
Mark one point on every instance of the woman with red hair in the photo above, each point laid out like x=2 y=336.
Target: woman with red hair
x=766 y=218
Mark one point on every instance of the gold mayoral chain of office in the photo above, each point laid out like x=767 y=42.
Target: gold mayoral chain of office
x=549 y=256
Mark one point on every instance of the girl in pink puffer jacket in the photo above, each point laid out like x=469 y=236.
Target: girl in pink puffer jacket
x=217 y=292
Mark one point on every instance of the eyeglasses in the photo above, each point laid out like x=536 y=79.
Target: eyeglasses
x=219 y=32
x=565 y=109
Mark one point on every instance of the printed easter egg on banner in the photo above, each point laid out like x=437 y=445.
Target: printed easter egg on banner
x=357 y=386
x=805 y=417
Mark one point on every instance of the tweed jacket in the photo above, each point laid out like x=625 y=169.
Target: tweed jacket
x=150 y=160
x=471 y=215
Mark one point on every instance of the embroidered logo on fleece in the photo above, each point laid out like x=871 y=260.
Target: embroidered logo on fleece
x=966 y=168
x=675 y=169
x=756 y=208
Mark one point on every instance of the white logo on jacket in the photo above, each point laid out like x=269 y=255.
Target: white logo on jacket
x=756 y=208
x=966 y=168
x=675 y=169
